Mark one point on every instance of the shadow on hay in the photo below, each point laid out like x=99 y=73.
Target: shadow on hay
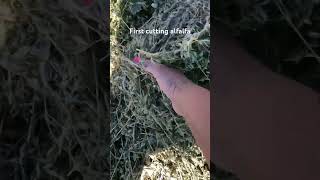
x=54 y=93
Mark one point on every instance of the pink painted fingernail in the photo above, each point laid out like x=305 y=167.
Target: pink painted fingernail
x=136 y=59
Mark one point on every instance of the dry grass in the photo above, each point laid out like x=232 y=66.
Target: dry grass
x=6 y=20
x=53 y=96
x=143 y=121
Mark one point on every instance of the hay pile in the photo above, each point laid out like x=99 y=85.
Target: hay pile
x=53 y=97
x=143 y=123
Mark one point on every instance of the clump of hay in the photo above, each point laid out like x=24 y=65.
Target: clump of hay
x=142 y=119
x=174 y=163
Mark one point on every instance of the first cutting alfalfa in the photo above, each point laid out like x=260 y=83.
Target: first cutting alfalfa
x=160 y=31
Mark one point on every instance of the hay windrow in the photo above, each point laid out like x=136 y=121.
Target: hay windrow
x=142 y=117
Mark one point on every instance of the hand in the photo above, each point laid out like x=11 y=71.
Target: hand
x=171 y=81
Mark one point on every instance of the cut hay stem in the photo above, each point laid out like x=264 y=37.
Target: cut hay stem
x=120 y=130
x=154 y=119
x=145 y=130
x=104 y=58
x=114 y=170
x=157 y=54
x=97 y=87
x=128 y=157
x=124 y=7
x=82 y=146
x=1 y=125
x=125 y=23
x=57 y=47
x=148 y=54
x=10 y=96
x=48 y=122
x=141 y=27
x=90 y=45
x=101 y=34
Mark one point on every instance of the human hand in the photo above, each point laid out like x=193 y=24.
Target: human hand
x=171 y=81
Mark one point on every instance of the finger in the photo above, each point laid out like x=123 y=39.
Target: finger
x=151 y=67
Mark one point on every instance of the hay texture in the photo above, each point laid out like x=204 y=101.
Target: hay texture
x=149 y=140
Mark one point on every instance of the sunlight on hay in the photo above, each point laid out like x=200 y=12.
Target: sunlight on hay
x=115 y=24
x=175 y=163
x=112 y=64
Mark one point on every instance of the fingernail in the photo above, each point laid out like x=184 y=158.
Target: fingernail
x=136 y=59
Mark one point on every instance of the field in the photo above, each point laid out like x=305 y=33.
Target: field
x=149 y=141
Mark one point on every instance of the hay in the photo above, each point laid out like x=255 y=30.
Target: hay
x=142 y=117
x=53 y=95
x=6 y=20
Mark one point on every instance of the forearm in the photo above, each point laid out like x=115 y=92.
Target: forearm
x=193 y=103
x=188 y=100
x=265 y=126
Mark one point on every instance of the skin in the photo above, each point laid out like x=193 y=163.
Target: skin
x=188 y=100
x=265 y=126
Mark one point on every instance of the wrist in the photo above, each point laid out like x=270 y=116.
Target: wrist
x=180 y=97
